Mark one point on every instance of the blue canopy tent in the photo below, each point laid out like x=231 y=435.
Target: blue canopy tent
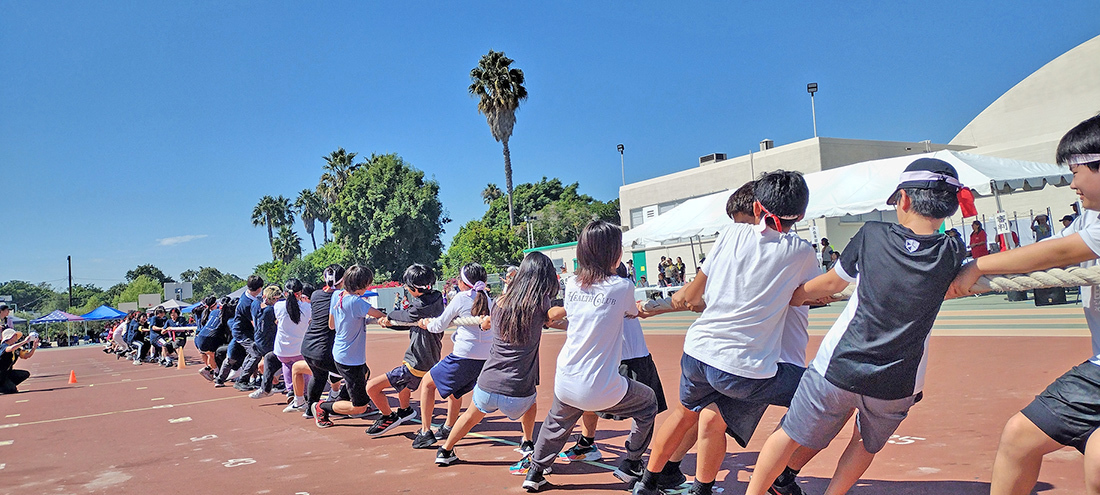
x=103 y=313
x=58 y=316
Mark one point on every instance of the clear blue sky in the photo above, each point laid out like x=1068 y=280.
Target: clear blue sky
x=125 y=126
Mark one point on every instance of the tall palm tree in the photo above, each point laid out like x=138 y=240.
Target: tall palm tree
x=499 y=89
x=490 y=193
x=307 y=205
x=288 y=245
x=272 y=212
x=323 y=213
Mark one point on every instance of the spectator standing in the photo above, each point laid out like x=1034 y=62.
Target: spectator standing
x=680 y=270
x=1041 y=226
x=1066 y=220
x=978 y=243
x=826 y=253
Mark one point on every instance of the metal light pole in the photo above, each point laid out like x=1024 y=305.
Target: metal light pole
x=812 y=88
x=70 y=258
x=530 y=233
x=622 y=164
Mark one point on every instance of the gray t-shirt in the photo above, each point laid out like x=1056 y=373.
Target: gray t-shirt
x=513 y=369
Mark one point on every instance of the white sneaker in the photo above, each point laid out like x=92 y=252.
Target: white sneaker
x=293 y=408
x=260 y=394
x=233 y=375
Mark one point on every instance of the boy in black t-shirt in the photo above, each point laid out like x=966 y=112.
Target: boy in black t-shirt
x=872 y=359
x=424 y=350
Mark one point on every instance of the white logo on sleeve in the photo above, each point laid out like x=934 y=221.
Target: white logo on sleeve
x=912 y=245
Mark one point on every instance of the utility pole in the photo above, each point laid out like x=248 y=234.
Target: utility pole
x=622 y=163
x=70 y=258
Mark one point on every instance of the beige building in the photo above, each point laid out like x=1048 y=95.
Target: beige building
x=1025 y=124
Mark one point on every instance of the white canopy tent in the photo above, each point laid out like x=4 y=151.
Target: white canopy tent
x=852 y=190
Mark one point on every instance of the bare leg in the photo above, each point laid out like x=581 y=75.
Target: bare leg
x=345 y=407
x=589 y=420
x=712 y=444
x=527 y=423
x=454 y=408
x=298 y=372
x=403 y=398
x=671 y=433
x=465 y=423
x=427 y=402
x=852 y=464
x=1019 y=457
x=686 y=444
x=801 y=457
x=773 y=458
x=1092 y=465
x=374 y=389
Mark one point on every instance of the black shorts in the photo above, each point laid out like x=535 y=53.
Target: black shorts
x=1068 y=411
x=642 y=370
x=355 y=381
x=208 y=343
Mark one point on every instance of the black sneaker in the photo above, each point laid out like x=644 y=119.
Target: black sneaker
x=218 y=384
x=424 y=440
x=640 y=489
x=788 y=489
x=442 y=433
x=526 y=448
x=670 y=478
x=534 y=481
x=244 y=387
x=444 y=457
x=383 y=424
x=630 y=471
x=308 y=413
x=405 y=414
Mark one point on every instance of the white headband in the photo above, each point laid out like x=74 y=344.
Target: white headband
x=927 y=175
x=1083 y=159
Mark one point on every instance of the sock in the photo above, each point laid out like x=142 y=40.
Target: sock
x=787 y=477
x=649 y=479
x=586 y=441
x=327 y=407
x=700 y=488
x=299 y=400
x=671 y=467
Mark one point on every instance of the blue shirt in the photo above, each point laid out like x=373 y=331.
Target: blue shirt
x=350 y=315
x=240 y=325
x=266 y=328
x=212 y=323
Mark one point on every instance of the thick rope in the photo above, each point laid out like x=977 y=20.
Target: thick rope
x=473 y=321
x=1072 y=276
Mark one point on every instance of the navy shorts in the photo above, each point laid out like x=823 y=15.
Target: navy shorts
x=1068 y=411
x=741 y=401
x=456 y=376
x=208 y=343
x=402 y=377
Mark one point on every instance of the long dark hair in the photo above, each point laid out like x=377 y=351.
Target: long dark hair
x=229 y=306
x=292 y=289
x=332 y=275
x=526 y=302
x=473 y=272
x=599 y=245
x=205 y=309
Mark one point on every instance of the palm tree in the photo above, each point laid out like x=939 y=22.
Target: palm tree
x=288 y=245
x=272 y=212
x=338 y=167
x=491 y=193
x=323 y=213
x=307 y=205
x=499 y=89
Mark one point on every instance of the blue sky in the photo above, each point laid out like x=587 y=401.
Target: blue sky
x=138 y=132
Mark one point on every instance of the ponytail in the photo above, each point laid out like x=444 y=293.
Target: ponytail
x=474 y=275
x=292 y=288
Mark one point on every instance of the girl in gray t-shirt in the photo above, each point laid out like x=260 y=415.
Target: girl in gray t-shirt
x=508 y=379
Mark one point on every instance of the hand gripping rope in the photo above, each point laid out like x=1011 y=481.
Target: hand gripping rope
x=1072 y=276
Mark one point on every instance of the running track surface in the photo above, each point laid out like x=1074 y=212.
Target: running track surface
x=141 y=429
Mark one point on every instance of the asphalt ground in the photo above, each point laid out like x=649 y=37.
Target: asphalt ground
x=147 y=429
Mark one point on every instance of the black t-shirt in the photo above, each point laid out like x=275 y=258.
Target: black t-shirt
x=903 y=278
x=317 y=343
x=7 y=362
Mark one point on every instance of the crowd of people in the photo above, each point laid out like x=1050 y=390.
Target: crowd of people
x=745 y=352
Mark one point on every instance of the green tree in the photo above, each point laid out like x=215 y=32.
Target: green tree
x=532 y=197
x=273 y=272
x=389 y=215
x=499 y=90
x=492 y=247
x=308 y=205
x=27 y=296
x=149 y=270
x=339 y=165
x=490 y=193
x=288 y=245
x=208 y=280
x=272 y=212
x=143 y=284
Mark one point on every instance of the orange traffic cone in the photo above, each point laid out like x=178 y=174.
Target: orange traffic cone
x=180 y=364
x=72 y=376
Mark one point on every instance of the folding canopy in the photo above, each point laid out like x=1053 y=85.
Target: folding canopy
x=103 y=312
x=55 y=317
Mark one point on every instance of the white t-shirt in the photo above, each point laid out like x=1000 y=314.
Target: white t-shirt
x=289 y=335
x=1087 y=224
x=587 y=375
x=470 y=341
x=795 y=335
x=751 y=273
x=633 y=341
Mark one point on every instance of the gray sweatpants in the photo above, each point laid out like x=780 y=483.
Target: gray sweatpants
x=639 y=403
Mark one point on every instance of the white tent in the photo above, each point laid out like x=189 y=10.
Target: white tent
x=863 y=187
x=172 y=304
x=852 y=190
